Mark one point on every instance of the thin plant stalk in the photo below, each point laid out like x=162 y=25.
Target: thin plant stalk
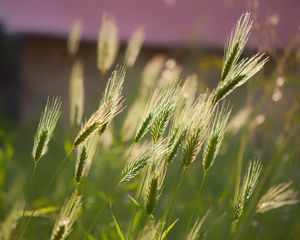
x=173 y=198
x=29 y=188
x=178 y=187
x=98 y=214
x=233 y=229
x=195 y=208
x=135 y=208
x=46 y=190
x=240 y=158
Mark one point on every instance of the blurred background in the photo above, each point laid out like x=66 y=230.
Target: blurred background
x=34 y=59
x=191 y=34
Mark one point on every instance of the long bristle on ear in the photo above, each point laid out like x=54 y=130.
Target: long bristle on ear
x=236 y=72
x=158 y=110
x=236 y=44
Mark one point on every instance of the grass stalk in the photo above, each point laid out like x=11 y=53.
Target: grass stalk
x=45 y=191
x=29 y=188
x=195 y=208
x=98 y=214
x=240 y=158
x=135 y=207
x=172 y=200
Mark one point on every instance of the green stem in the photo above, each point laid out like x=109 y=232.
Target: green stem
x=233 y=230
x=195 y=208
x=45 y=191
x=98 y=214
x=173 y=198
x=29 y=188
x=135 y=207
x=239 y=165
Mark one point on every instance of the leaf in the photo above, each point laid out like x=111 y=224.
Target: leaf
x=135 y=202
x=119 y=231
x=41 y=211
x=166 y=231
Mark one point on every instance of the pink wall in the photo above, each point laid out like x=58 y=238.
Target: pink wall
x=164 y=23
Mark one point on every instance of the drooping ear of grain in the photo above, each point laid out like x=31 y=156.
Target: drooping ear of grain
x=105 y=113
x=277 y=196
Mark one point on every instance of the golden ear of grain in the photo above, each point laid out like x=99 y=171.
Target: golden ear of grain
x=76 y=94
x=134 y=46
x=74 y=37
x=108 y=43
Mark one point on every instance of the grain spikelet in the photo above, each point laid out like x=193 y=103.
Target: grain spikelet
x=277 y=196
x=215 y=137
x=197 y=128
x=134 y=46
x=76 y=94
x=67 y=217
x=98 y=119
x=135 y=113
x=113 y=90
x=74 y=37
x=154 y=184
x=235 y=73
x=108 y=44
x=236 y=44
x=163 y=97
x=239 y=74
x=244 y=192
x=196 y=231
x=85 y=156
x=164 y=114
x=141 y=158
x=46 y=127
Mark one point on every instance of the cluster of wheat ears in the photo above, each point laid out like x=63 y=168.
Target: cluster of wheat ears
x=175 y=124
